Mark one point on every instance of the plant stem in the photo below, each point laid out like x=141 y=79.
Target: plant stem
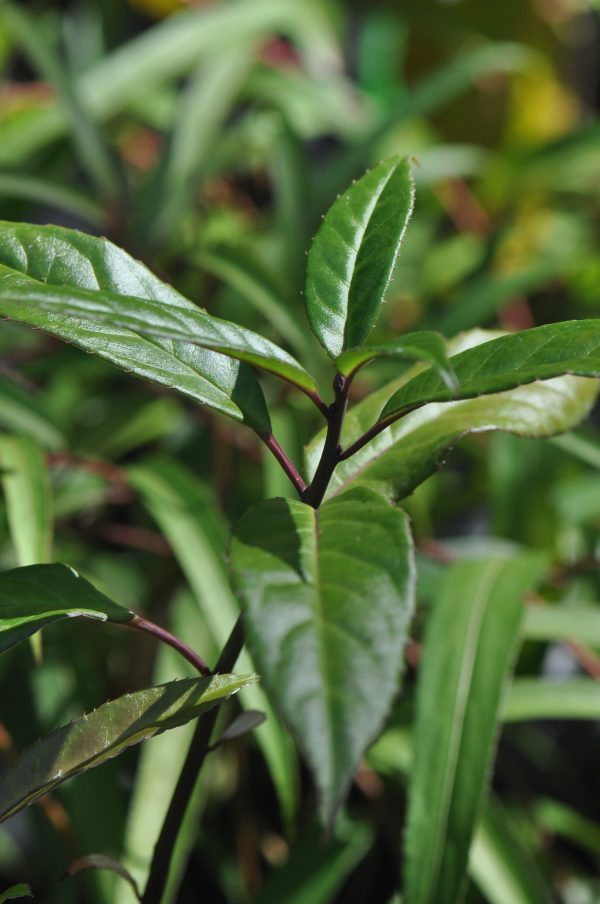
x=371 y=433
x=313 y=495
x=285 y=462
x=142 y=624
x=184 y=789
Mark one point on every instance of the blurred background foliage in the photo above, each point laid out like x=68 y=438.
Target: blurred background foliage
x=208 y=138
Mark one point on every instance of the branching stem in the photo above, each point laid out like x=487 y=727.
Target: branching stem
x=313 y=495
x=286 y=463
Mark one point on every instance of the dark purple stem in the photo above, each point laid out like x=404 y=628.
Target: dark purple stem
x=314 y=494
x=142 y=624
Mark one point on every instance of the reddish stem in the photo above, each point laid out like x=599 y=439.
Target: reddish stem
x=285 y=462
x=142 y=624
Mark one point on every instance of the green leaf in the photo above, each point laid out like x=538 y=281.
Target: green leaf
x=186 y=514
x=562 y=622
x=106 y=732
x=22 y=412
x=423 y=346
x=501 y=864
x=40 y=262
x=328 y=596
x=16 y=891
x=532 y=698
x=51 y=194
x=353 y=254
x=37 y=595
x=406 y=453
x=468 y=649
x=572 y=347
x=28 y=498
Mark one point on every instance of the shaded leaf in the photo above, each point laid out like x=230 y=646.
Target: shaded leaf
x=106 y=732
x=37 y=595
x=42 y=260
x=22 y=412
x=423 y=346
x=469 y=644
x=328 y=596
x=185 y=511
x=353 y=254
x=241 y=725
x=572 y=347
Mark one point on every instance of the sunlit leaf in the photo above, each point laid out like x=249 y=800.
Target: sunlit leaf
x=353 y=255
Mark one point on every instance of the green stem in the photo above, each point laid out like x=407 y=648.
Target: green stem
x=184 y=789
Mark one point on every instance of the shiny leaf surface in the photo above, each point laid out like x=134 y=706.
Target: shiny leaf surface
x=353 y=254
x=425 y=346
x=42 y=267
x=572 y=347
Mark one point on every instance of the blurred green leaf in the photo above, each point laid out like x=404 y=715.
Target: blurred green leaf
x=16 y=891
x=534 y=698
x=22 y=412
x=28 y=497
x=562 y=622
x=106 y=732
x=329 y=647
x=469 y=645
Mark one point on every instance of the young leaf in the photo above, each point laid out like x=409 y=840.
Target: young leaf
x=37 y=595
x=106 y=732
x=423 y=346
x=28 y=498
x=572 y=347
x=401 y=457
x=469 y=644
x=353 y=254
x=53 y=257
x=328 y=596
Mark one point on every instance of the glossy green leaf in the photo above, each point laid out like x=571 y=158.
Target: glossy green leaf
x=353 y=255
x=533 y=698
x=106 y=732
x=423 y=346
x=469 y=646
x=185 y=510
x=27 y=491
x=572 y=347
x=37 y=595
x=328 y=596
x=410 y=450
x=41 y=262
